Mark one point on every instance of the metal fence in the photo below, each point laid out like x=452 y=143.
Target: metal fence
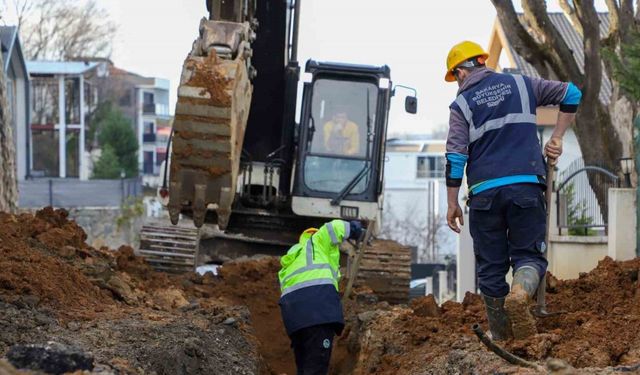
x=582 y=198
x=69 y=193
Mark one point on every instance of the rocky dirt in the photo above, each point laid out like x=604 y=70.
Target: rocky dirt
x=53 y=287
x=132 y=320
x=600 y=330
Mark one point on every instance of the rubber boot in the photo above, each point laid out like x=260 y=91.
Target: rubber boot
x=525 y=283
x=499 y=324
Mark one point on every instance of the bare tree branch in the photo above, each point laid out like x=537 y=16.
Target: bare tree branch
x=520 y=39
x=570 y=12
x=559 y=55
x=68 y=29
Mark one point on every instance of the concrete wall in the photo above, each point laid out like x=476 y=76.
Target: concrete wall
x=106 y=226
x=622 y=224
x=570 y=255
x=111 y=227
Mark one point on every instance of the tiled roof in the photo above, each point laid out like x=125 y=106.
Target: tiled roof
x=575 y=43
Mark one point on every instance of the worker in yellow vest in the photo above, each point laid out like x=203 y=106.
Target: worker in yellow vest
x=310 y=305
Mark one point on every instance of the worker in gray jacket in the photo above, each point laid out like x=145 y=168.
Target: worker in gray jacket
x=493 y=132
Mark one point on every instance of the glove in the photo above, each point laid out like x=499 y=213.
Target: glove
x=356 y=230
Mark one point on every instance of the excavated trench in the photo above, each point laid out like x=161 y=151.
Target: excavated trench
x=53 y=287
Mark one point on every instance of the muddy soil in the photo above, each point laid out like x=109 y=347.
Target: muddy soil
x=53 y=287
x=600 y=330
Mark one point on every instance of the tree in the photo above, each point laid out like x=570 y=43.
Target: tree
x=426 y=235
x=8 y=181
x=63 y=29
x=627 y=72
x=116 y=131
x=107 y=166
x=604 y=131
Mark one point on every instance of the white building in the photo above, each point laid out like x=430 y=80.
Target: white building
x=415 y=198
x=144 y=100
x=152 y=115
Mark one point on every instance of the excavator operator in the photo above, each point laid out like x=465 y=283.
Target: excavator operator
x=310 y=305
x=341 y=134
x=493 y=131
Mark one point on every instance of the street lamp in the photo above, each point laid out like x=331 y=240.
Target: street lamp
x=626 y=167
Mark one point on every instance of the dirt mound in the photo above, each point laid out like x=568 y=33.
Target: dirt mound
x=35 y=258
x=602 y=323
x=53 y=287
x=601 y=328
x=254 y=283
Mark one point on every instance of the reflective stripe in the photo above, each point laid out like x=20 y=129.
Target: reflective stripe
x=307 y=284
x=524 y=93
x=475 y=134
x=310 y=251
x=347 y=229
x=332 y=234
x=466 y=111
x=311 y=268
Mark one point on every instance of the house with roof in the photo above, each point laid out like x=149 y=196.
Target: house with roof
x=18 y=91
x=504 y=58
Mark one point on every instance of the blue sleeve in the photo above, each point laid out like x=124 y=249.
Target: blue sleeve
x=455 y=168
x=572 y=96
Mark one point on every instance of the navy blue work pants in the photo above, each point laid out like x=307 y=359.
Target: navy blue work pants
x=312 y=349
x=507 y=225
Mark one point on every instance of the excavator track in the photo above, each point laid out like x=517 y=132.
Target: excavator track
x=211 y=114
x=386 y=269
x=169 y=248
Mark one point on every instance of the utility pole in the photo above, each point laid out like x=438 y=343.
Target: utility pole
x=636 y=131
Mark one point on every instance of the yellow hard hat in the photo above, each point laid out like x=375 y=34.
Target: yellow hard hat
x=460 y=53
x=310 y=231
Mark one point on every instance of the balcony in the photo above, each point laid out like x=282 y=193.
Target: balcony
x=149 y=108
x=155 y=109
x=149 y=138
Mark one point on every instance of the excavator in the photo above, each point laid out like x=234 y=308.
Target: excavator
x=246 y=173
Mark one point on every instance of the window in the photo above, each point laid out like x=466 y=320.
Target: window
x=149 y=127
x=430 y=167
x=342 y=128
x=148 y=98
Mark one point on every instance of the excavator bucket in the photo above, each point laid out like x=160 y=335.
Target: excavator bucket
x=211 y=113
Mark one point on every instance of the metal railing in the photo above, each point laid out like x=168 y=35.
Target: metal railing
x=149 y=138
x=69 y=193
x=582 y=199
x=149 y=108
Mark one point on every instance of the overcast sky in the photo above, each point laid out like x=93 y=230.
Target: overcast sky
x=411 y=36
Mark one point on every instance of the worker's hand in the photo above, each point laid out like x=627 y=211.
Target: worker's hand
x=553 y=150
x=453 y=213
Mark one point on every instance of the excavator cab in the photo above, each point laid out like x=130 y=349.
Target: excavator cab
x=251 y=177
x=340 y=157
